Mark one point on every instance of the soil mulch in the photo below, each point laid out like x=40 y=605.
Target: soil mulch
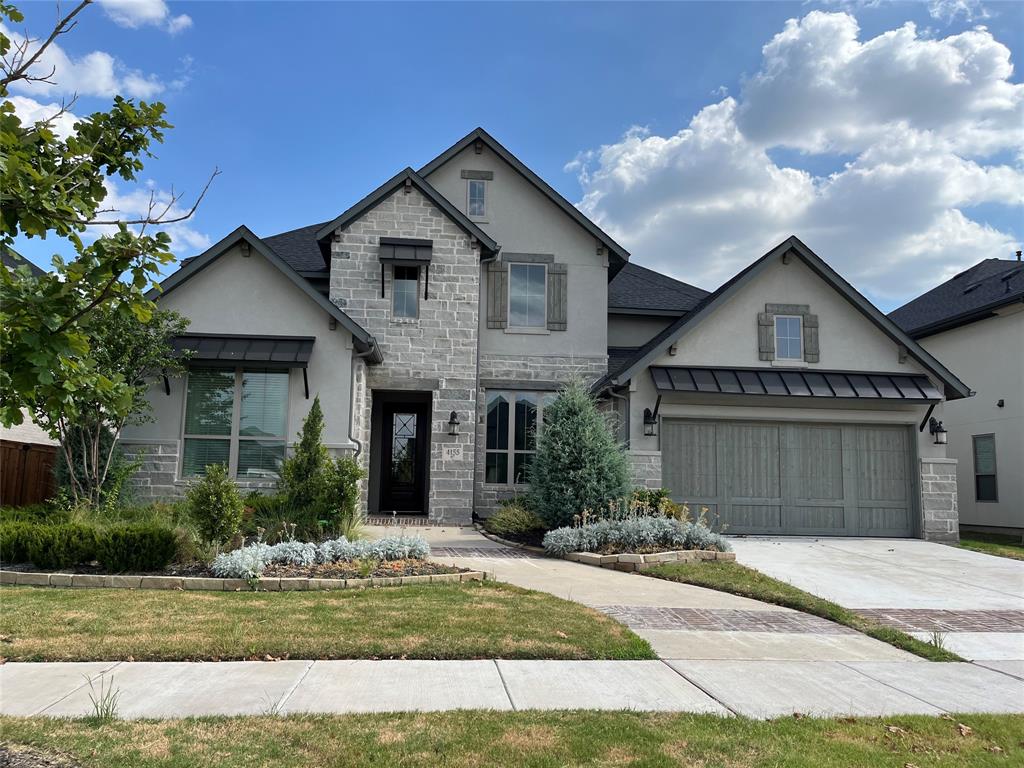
x=19 y=756
x=348 y=570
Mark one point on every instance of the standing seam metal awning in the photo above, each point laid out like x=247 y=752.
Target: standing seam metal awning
x=270 y=351
x=795 y=383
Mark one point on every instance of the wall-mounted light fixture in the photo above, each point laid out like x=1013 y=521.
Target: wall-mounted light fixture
x=650 y=423
x=938 y=431
x=453 y=424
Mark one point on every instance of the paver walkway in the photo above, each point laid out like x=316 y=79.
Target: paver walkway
x=974 y=600
x=680 y=621
x=758 y=689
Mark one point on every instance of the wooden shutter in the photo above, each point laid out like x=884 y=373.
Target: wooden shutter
x=558 y=297
x=810 y=338
x=765 y=336
x=497 y=294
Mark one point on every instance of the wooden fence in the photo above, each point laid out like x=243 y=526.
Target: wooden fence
x=26 y=473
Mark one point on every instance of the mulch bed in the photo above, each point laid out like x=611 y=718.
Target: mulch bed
x=19 y=756
x=346 y=570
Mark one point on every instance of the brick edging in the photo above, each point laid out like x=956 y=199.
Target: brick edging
x=212 y=584
x=631 y=562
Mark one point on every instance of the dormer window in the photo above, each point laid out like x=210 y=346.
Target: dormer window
x=476 y=196
x=789 y=337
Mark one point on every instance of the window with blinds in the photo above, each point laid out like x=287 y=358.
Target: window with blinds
x=237 y=418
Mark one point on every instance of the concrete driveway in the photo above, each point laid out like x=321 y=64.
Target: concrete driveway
x=975 y=601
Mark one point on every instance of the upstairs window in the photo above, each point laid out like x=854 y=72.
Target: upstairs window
x=238 y=418
x=789 y=337
x=476 y=196
x=985 y=468
x=405 y=290
x=527 y=295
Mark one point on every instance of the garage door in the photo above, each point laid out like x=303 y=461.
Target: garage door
x=785 y=478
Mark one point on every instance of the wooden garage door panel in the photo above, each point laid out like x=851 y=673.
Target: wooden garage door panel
x=751 y=460
x=689 y=456
x=882 y=464
x=794 y=478
x=812 y=462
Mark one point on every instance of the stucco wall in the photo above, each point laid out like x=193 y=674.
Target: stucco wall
x=523 y=220
x=634 y=330
x=988 y=356
x=248 y=295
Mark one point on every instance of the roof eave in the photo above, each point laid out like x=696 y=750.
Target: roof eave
x=479 y=134
x=964 y=318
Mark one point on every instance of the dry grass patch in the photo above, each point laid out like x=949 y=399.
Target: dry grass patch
x=437 y=621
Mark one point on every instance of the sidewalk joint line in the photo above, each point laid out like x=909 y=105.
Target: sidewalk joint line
x=900 y=690
x=292 y=688
x=505 y=686
x=77 y=688
x=701 y=688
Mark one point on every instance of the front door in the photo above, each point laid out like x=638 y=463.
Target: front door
x=406 y=447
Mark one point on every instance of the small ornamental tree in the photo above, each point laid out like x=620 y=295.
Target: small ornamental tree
x=303 y=474
x=215 y=505
x=579 y=464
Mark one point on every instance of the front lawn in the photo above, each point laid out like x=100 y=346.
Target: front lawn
x=475 y=620
x=532 y=740
x=994 y=544
x=740 y=580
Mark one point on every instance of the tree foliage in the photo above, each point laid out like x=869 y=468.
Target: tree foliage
x=579 y=464
x=56 y=185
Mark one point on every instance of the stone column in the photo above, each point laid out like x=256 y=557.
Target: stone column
x=940 y=520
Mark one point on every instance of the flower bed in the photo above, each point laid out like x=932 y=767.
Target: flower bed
x=635 y=535
x=352 y=570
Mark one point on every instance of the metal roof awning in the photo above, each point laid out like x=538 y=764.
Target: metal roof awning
x=406 y=250
x=265 y=351
x=796 y=383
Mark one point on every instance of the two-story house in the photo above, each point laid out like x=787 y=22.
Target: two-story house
x=439 y=315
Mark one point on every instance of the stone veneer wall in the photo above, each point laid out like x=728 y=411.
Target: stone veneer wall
x=940 y=519
x=435 y=352
x=518 y=371
x=157 y=477
x=646 y=468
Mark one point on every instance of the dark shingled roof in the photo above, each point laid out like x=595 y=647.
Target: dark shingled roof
x=299 y=248
x=971 y=295
x=639 y=290
x=12 y=260
x=618 y=357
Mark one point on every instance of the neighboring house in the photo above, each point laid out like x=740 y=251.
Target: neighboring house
x=975 y=324
x=438 y=316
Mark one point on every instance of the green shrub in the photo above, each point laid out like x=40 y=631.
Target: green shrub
x=303 y=473
x=579 y=465
x=215 y=505
x=34 y=513
x=14 y=541
x=62 y=546
x=513 y=519
x=136 y=547
x=340 y=502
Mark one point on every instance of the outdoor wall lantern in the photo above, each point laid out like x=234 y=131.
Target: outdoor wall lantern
x=650 y=423
x=938 y=431
x=453 y=424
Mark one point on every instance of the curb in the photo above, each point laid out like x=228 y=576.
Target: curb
x=508 y=543
x=632 y=562
x=212 y=584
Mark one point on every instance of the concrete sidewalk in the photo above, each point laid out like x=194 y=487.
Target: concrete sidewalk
x=756 y=689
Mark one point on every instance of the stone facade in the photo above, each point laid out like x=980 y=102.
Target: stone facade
x=939 y=514
x=646 y=468
x=516 y=372
x=157 y=476
x=436 y=352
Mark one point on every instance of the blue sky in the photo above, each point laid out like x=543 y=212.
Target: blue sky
x=306 y=107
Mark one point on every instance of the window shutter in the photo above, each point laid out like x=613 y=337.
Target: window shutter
x=765 y=336
x=558 y=297
x=811 y=338
x=497 y=294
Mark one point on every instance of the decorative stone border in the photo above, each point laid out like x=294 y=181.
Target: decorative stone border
x=190 y=583
x=630 y=562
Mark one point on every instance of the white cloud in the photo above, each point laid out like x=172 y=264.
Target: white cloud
x=32 y=111
x=94 y=74
x=950 y=10
x=140 y=13
x=910 y=125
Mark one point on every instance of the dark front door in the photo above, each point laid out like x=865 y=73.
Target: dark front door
x=406 y=447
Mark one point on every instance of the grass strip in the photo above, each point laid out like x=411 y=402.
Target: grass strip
x=740 y=580
x=994 y=544
x=474 y=620
x=530 y=740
